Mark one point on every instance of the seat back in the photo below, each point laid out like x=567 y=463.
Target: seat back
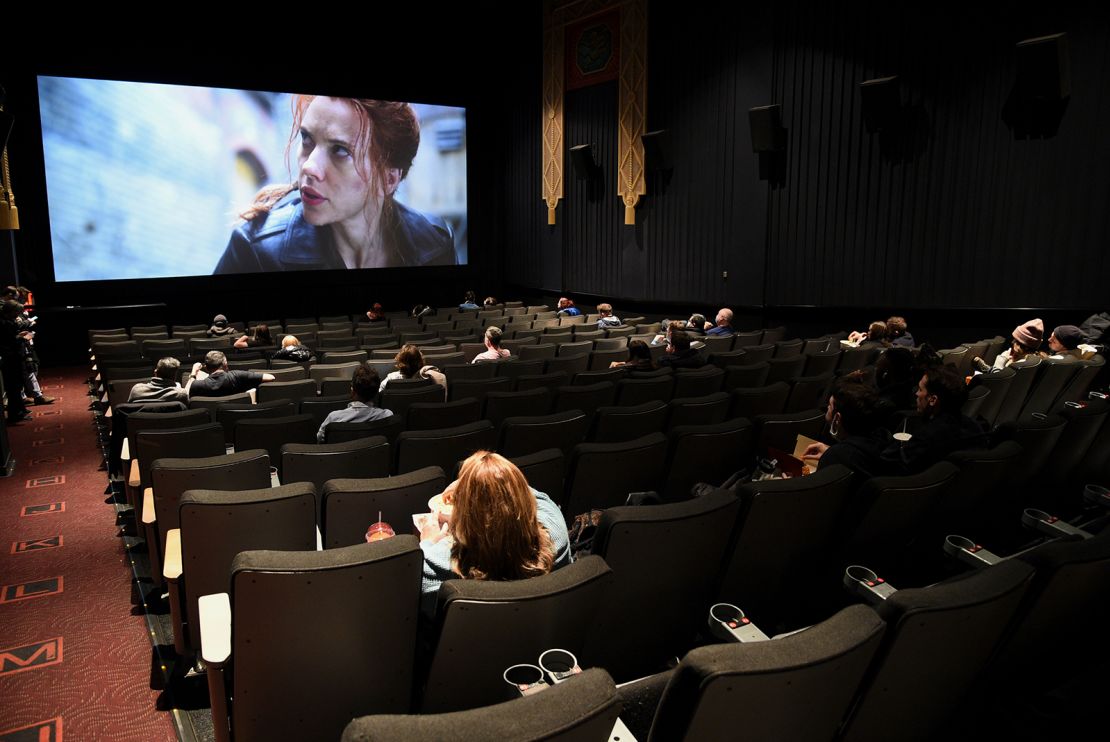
x=587 y=398
x=345 y=613
x=706 y=453
x=938 y=640
x=999 y=384
x=666 y=562
x=698 y=382
x=1080 y=383
x=582 y=709
x=351 y=505
x=172 y=477
x=523 y=435
x=781 y=431
x=502 y=405
x=484 y=627
x=432 y=415
x=1054 y=376
x=320 y=407
x=390 y=427
x=399 y=398
x=272 y=433
x=785 y=368
x=290 y=390
x=216 y=525
x=1024 y=374
x=444 y=448
x=706 y=410
x=229 y=415
x=808 y=392
x=747 y=375
x=614 y=424
x=636 y=391
x=601 y=475
x=789 y=528
x=318 y=463
x=818 y=670
x=192 y=442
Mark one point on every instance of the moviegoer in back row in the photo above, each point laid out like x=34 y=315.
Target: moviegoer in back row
x=493 y=351
x=163 y=386
x=1064 y=343
x=723 y=324
x=1026 y=340
x=605 y=317
x=409 y=364
x=212 y=379
x=220 y=327
x=259 y=335
x=292 y=350
x=361 y=409
x=566 y=308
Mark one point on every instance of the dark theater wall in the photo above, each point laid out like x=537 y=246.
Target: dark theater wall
x=956 y=213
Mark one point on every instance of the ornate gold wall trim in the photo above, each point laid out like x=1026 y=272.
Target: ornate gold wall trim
x=553 y=73
x=632 y=106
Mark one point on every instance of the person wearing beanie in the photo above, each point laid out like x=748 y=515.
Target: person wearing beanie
x=1064 y=343
x=220 y=327
x=1026 y=341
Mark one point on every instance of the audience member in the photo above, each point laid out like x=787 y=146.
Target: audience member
x=855 y=418
x=872 y=338
x=493 y=351
x=409 y=364
x=567 y=309
x=376 y=313
x=724 y=323
x=1064 y=344
x=292 y=350
x=163 y=386
x=499 y=528
x=421 y=310
x=212 y=379
x=606 y=318
x=220 y=327
x=639 y=358
x=696 y=325
x=470 y=301
x=259 y=335
x=897 y=333
x=490 y=302
x=361 y=409
x=679 y=353
x=1026 y=341
x=12 y=360
x=941 y=393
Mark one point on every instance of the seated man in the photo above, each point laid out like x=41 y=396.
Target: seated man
x=214 y=380
x=163 y=386
x=1064 y=343
x=679 y=353
x=695 y=326
x=723 y=326
x=567 y=309
x=941 y=393
x=361 y=409
x=606 y=319
x=220 y=327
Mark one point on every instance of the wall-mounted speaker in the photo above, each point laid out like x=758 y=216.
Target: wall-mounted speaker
x=582 y=159
x=657 y=150
x=881 y=103
x=768 y=134
x=1042 y=87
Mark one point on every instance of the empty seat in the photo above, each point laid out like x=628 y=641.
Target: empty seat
x=527 y=434
x=550 y=381
x=478 y=388
x=585 y=708
x=431 y=415
x=595 y=482
x=1025 y=371
x=639 y=390
x=318 y=463
x=446 y=447
x=228 y=415
x=286 y=390
x=808 y=392
x=670 y=589
x=352 y=505
x=398 y=398
x=698 y=382
x=821 y=363
x=707 y=410
x=750 y=402
x=617 y=423
x=531 y=402
x=747 y=375
x=1053 y=377
x=211 y=403
x=333 y=625
x=601 y=359
x=272 y=433
x=706 y=453
x=321 y=371
x=571 y=365
x=320 y=407
x=785 y=369
x=759 y=353
x=587 y=398
x=485 y=626
x=998 y=382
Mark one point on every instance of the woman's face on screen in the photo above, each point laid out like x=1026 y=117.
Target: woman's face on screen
x=332 y=188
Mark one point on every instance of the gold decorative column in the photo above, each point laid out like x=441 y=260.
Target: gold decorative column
x=553 y=74
x=632 y=106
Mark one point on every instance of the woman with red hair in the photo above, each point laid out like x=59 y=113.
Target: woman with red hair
x=352 y=153
x=498 y=528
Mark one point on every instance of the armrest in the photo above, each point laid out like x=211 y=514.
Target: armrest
x=125 y=451
x=1050 y=525
x=866 y=585
x=215 y=628
x=967 y=551
x=133 y=478
x=107 y=412
x=728 y=623
x=171 y=565
x=148 y=506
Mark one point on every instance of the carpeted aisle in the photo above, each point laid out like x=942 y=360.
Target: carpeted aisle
x=75 y=656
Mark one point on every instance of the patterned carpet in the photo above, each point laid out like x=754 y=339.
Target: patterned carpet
x=75 y=653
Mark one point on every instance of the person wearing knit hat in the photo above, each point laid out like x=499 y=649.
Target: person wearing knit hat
x=1027 y=339
x=220 y=327
x=1064 y=343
